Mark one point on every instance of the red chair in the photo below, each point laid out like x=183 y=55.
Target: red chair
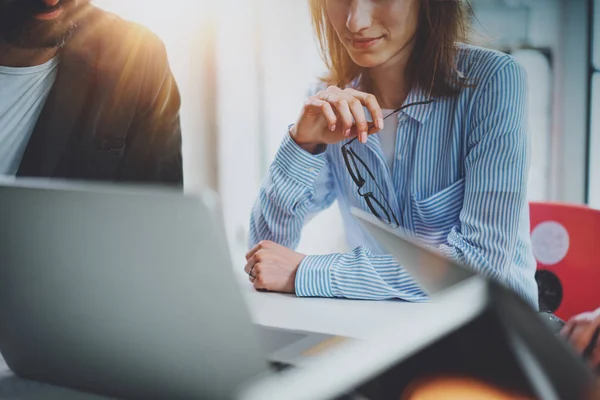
x=566 y=245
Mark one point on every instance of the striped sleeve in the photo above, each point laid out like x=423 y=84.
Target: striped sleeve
x=496 y=170
x=356 y=275
x=298 y=184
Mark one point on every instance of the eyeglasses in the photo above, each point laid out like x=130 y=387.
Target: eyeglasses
x=381 y=209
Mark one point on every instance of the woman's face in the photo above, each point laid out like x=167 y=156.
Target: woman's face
x=374 y=31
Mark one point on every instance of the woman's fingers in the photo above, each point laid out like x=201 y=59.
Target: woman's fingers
x=340 y=104
x=254 y=250
x=326 y=110
x=360 y=119
x=369 y=101
x=350 y=111
x=345 y=110
x=262 y=245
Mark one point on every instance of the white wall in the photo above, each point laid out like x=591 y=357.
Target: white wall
x=292 y=65
x=267 y=63
x=239 y=116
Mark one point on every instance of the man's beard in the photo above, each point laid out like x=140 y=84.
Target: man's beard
x=19 y=28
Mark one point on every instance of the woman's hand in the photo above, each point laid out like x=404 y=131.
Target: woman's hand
x=582 y=332
x=333 y=115
x=273 y=267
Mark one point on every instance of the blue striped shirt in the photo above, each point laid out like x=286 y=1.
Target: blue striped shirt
x=458 y=183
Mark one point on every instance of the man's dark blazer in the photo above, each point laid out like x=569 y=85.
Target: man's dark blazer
x=113 y=112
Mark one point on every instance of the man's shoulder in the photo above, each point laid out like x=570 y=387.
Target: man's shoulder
x=113 y=42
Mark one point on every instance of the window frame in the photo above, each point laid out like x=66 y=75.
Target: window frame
x=593 y=97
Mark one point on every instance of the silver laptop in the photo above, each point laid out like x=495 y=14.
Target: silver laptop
x=127 y=292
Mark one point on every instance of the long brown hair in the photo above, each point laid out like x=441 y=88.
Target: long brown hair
x=432 y=65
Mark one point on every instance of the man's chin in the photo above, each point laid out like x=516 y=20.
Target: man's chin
x=39 y=36
x=23 y=29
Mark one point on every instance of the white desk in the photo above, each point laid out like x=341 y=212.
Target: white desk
x=355 y=319
x=350 y=318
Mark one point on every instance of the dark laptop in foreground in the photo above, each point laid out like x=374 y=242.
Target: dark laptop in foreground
x=127 y=292
x=477 y=340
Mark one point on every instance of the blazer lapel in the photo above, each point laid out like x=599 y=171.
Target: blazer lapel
x=61 y=116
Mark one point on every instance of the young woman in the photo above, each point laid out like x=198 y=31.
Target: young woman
x=446 y=156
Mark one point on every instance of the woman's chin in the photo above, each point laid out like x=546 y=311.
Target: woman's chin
x=367 y=60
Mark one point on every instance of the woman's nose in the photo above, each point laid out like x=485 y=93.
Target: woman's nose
x=360 y=15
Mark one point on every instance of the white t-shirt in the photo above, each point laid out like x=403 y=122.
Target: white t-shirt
x=23 y=93
x=387 y=137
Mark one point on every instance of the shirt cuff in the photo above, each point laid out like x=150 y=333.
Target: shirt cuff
x=298 y=163
x=313 y=277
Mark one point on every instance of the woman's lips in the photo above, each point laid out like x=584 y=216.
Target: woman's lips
x=364 y=43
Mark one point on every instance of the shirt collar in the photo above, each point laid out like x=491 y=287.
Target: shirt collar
x=420 y=112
